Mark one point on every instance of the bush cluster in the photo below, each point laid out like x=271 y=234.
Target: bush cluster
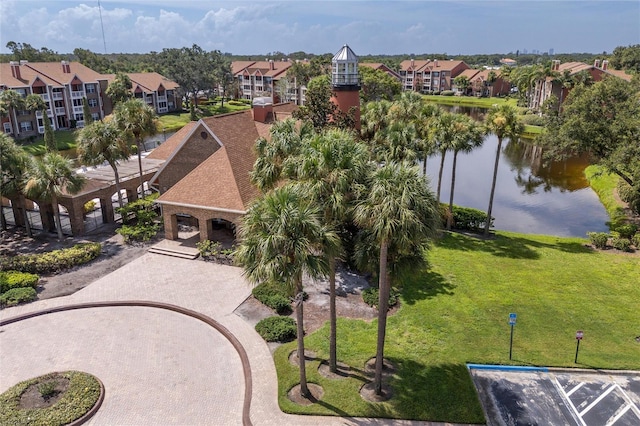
x=625 y=230
x=465 y=218
x=532 y=120
x=143 y=227
x=18 y=295
x=277 y=329
x=636 y=240
x=446 y=93
x=53 y=261
x=212 y=250
x=371 y=296
x=274 y=296
x=598 y=239
x=623 y=244
x=16 y=279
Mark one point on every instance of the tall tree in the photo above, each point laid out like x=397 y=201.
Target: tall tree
x=444 y=134
x=602 y=120
x=10 y=102
x=48 y=178
x=14 y=163
x=401 y=216
x=286 y=141
x=119 y=90
x=329 y=169
x=138 y=120
x=626 y=58
x=318 y=108
x=282 y=237
x=468 y=136
x=503 y=122
x=462 y=83
x=103 y=141
x=193 y=68
x=378 y=85
x=34 y=102
x=86 y=112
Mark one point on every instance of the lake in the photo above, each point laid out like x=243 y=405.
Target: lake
x=529 y=198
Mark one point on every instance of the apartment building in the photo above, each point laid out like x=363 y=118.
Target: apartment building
x=259 y=78
x=484 y=83
x=555 y=85
x=64 y=85
x=429 y=75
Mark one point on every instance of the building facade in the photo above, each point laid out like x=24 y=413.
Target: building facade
x=427 y=76
x=63 y=87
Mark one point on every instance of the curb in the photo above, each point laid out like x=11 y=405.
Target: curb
x=244 y=358
x=506 y=367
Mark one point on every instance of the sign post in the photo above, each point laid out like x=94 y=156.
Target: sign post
x=512 y=322
x=579 y=335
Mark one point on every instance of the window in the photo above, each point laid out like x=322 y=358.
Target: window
x=91 y=88
x=95 y=116
x=162 y=104
x=26 y=126
x=23 y=92
x=93 y=102
x=7 y=127
x=79 y=117
x=23 y=112
x=77 y=102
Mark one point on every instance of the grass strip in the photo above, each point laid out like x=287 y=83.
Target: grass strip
x=604 y=184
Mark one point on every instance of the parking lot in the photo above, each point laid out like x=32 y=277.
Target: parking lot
x=540 y=396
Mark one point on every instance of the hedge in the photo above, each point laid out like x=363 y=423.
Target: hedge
x=18 y=295
x=371 y=296
x=277 y=329
x=15 y=279
x=53 y=261
x=465 y=218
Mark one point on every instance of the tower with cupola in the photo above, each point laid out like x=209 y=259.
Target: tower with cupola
x=345 y=82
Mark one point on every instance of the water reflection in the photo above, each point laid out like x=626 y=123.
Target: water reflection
x=531 y=197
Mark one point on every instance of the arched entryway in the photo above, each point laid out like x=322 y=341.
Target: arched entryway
x=222 y=231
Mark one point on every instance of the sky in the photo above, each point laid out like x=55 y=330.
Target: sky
x=243 y=27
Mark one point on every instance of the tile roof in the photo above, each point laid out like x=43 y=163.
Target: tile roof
x=418 y=64
x=148 y=81
x=445 y=65
x=620 y=74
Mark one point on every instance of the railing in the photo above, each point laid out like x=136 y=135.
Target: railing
x=60 y=111
x=57 y=96
x=162 y=110
x=40 y=129
x=162 y=98
x=77 y=94
x=39 y=113
x=77 y=109
x=45 y=97
x=345 y=79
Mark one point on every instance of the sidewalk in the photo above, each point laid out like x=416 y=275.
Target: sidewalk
x=158 y=367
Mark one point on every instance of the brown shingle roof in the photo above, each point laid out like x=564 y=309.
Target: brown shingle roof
x=49 y=72
x=164 y=151
x=222 y=180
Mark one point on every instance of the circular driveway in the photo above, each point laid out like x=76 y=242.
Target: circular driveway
x=158 y=366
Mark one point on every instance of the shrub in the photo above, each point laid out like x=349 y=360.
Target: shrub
x=53 y=261
x=371 y=296
x=626 y=230
x=465 y=218
x=622 y=244
x=598 y=239
x=274 y=296
x=16 y=279
x=89 y=206
x=132 y=233
x=625 y=191
x=436 y=92
x=18 y=295
x=446 y=93
x=636 y=240
x=236 y=103
x=277 y=329
x=532 y=120
x=208 y=248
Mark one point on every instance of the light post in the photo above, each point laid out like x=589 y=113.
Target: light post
x=579 y=335
x=512 y=322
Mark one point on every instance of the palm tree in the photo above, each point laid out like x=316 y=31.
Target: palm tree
x=373 y=118
x=469 y=135
x=282 y=236
x=48 y=178
x=14 y=162
x=286 y=139
x=401 y=215
x=11 y=101
x=426 y=144
x=329 y=169
x=503 y=122
x=34 y=102
x=103 y=141
x=139 y=120
x=444 y=133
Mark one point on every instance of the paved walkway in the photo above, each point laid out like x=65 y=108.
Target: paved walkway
x=159 y=367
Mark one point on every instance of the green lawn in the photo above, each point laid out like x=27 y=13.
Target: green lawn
x=457 y=312
x=470 y=101
x=604 y=184
x=65 y=140
x=175 y=121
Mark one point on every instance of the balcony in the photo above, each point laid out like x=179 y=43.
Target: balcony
x=45 y=97
x=57 y=96
x=41 y=129
x=162 y=98
x=77 y=94
x=60 y=111
x=77 y=110
x=162 y=110
x=39 y=113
